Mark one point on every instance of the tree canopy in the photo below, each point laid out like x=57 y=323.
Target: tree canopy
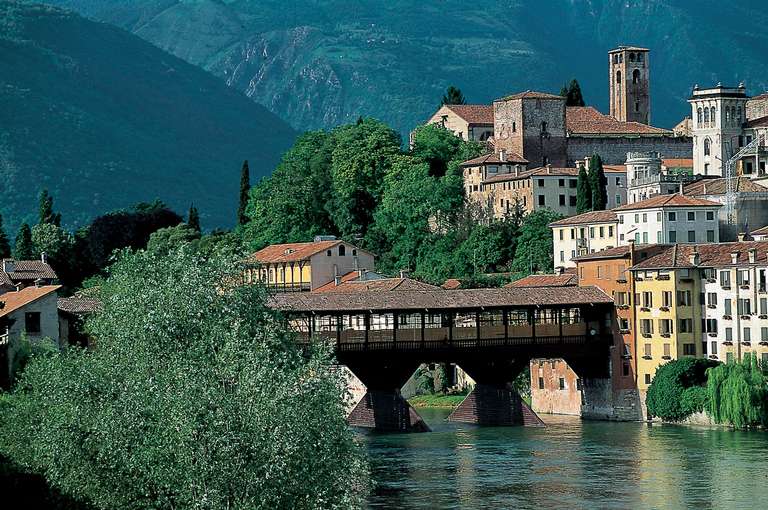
x=245 y=188
x=583 y=192
x=196 y=398
x=670 y=395
x=23 y=248
x=535 y=244
x=453 y=96
x=572 y=94
x=5 y=245
x=598 y=184
x=738 y=393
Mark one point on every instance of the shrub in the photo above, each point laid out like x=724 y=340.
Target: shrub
x=665 y=395
x=694 y=400
x=738 y=394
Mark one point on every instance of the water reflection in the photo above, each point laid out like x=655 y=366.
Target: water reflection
x=569 y=464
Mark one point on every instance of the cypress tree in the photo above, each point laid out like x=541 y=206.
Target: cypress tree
x=46 y=209
x=598 y=183
x=193 y=218
x=24 y=249
x=453 y=96
x=583 y=192
x=245 y=187
x=574 y=97
x=564 y=93
x=5 y=245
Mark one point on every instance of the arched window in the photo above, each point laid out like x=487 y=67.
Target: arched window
x=640 y=57
x=712 y=115
x=699 y=116
x=354 y=253
x=733 y=115
x=727 y=115
x=707 y=146
x=631 y=57
x=618 y=76
x=706 y=115
x=738 y=115
x=543 y=127
x=342 y=250
x=271 y=275
x=636 y=76
x=282 y=274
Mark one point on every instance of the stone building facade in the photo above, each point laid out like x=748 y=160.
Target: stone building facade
x=467 y=121
x=629 y=84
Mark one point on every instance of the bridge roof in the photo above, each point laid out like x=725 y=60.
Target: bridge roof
x=438 y=299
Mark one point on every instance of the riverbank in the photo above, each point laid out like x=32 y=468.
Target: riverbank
x=438 y=401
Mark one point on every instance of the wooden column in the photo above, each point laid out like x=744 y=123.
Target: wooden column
x=394 y=329
x=423 y=327
x=367 y=324
x=560 y=322
x=532 y=315
x=450 y=327
x=477 y=326
x=338 y=331
x=505 y=315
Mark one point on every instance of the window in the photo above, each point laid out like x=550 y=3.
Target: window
x=689 y=349
x=646 y=327
x=725 y=279
x=647 y=378
x=763 y=306
x=602 y=232
x=742 y=277
x=541 y=383
x=667 y=351
x=686 y=326
x=665 y=326
x=572 y=183
x=764 y=334
x=543 y=127
x=710 y=326
x=610 y=230
x=729 y=334
x=707 y=146
x=645 y=217
x=572 y=201
x=623 y=324
x=691 y=236
x=562 y=383
x=658 y=237
x=342 y=250
x=591 y=232
x=699 y=116
x=672 y=236
x=658 y=216
x=618 y=77
x=691 y=216
x=647 y=300
x=727 y=306
x=618 y=181
x=645 y=237
x=712 y=298
x=540 y=183
x=328 y=253
x=561 y=183
x=666 y=298
x=710 y=236
x=683 y=298
x=562 y=256
x=32 y=322
x=747 y=336
x=672 y=216
x=542 y=200
x=706 y=119
x=710 y=215
x=625 y=369
x=744 y=307
x=713 y=347
x=635 y=79
x=618 y=199
x=637 y=218
x=562 y=200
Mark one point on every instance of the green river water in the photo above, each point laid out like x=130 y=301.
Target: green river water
x=569 y=464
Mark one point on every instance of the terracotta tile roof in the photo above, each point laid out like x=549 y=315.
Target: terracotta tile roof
x=83 y=302
x=544 y=280
x=642 y=251
x=674 y=200
x=614 y=169
x=26 y=271
x=586 y=120
x=436 y=299
x=291 y=252
x=451 y=284
x=677 y=162
x=377 y=285
x=760 y=231
x=473 y=113
x=587 y=217
x=18 y=299
x=710 y=255
x=532 y=94
x=492 y=158
x=719 y=187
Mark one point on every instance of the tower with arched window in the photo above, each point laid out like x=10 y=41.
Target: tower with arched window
x=717 y=127
x=629 y=70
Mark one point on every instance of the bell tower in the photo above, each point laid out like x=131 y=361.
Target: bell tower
x=629 y=78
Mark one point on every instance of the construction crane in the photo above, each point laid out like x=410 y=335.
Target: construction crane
x=751 y=149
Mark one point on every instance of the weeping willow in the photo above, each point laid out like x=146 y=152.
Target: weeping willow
x=738 y=393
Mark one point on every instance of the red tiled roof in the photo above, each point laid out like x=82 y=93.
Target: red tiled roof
x=532 y=94
x=473 y=113
x=677 y=162
x=587 y=217
x=17 y=299
x=291 y=252
x=642 y=251
x=352 y=275
x=674 y=200
x=710 y=255
x=376 y=285
x=718 y=187
x=27 y=271
x=436 y=299
x=758 y=122
x=492 y=158
x=451 y=284
x=544 y=280
x=586 y=120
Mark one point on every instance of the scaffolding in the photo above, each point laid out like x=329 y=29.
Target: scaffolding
x=751 y=149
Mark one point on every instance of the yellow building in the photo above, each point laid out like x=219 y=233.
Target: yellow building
x=303 y=267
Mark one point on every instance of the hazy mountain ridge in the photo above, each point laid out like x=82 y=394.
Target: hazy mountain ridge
x=318 y=63
x=103 y=120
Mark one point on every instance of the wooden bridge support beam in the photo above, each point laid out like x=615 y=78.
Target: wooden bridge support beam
x=383 y=408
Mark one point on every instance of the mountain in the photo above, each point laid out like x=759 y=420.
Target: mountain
x=318 y=63
x=104 y=119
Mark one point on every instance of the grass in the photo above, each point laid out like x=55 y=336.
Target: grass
x=448 y=401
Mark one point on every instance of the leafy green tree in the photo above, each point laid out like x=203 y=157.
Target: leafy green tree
x=24 y=249
x=5 y=245
x=193 y=218
x=598 y=183
x=46 y=209
x=58 y=246
x=169 y=239
x=534 y=244
x=572 y=94
x=583 y=192
x=738 y=393
x=196 y=397
x=245 y=188
x=439 y=146
x=453 y=96
x=666 y=397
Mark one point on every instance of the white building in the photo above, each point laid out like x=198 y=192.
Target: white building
x=585 y=233
x=647 y=177
x=668 y=219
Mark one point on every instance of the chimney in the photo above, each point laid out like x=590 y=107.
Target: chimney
x=752 y=255
x=559 y=270
x=681 y=188
x=694 y=258
x=502 y=155
x=361 y=274
x=517 y=170
x=734 y=257
x=337 y=280
x=549 y=169
x=9 y=265
x=39 y=282
x=741 y=237
x=404 y=273
x=19 y=286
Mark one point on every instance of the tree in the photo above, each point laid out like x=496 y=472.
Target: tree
x=737 y=393
x=453 y=96
x=245 y=188
x=670 y=394
x=583 y=192
x=24 y=249
x=5 y=245
x=58 y=246
x=46 y=209
x=572 y=94
x=598 y=183
x=169 y=239
x=534 y=244
x=196 y=397
x=193 y=218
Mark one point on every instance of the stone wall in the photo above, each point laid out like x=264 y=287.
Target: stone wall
x=614 y=150
x=547 y=396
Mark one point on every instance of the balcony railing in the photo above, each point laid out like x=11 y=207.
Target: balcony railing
x=659 y=178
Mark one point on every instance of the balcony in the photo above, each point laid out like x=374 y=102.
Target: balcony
x=664 y=308
x=666 y=357
x=663 y=277
x=659 y=178
x=727 y=318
